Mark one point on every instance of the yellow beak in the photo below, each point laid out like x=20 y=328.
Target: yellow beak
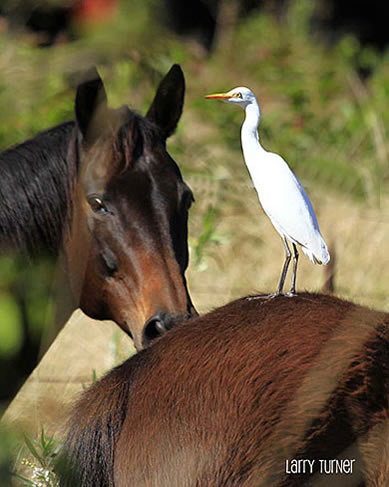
x=218 y=96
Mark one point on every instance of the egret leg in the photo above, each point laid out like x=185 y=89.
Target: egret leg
x=286 y=265
x=292 y=291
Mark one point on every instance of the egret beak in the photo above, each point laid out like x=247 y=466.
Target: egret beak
x=218 y=96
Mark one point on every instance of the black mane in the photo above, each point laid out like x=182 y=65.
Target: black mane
x=34 y=191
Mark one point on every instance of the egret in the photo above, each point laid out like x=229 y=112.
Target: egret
x=281 y=194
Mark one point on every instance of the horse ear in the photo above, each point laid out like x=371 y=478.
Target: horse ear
x=166 y=109
x=91 y=100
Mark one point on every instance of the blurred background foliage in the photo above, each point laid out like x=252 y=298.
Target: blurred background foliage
x=320 y=70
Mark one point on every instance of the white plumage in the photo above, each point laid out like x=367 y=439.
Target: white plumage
x=280 y=192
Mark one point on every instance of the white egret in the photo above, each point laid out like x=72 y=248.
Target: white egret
x=280 y=192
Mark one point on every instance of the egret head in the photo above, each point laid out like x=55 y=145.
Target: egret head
x=241 y=96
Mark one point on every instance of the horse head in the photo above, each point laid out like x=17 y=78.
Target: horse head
x=127 y=246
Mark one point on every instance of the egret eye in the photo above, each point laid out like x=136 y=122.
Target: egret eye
x=239 y=95
x=97 y=205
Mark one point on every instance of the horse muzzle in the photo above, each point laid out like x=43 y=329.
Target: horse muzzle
x=159 y=324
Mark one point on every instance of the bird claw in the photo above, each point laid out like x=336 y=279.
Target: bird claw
x=264 y=296
x=290 y=294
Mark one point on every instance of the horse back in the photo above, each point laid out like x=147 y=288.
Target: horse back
x=227 y=398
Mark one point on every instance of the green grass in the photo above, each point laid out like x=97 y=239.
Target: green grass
x=10 y=328
x=39 y=465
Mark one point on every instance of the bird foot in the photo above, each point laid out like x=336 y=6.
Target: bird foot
x=264 y=296
x=290 y=294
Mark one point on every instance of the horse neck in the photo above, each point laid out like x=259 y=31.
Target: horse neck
x=35 y=188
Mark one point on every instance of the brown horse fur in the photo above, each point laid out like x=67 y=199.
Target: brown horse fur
x=226 y=398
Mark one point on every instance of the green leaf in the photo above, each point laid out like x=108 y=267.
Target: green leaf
x=33 y=450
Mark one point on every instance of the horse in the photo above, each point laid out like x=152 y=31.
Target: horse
x=103 y=190
x=260 y=392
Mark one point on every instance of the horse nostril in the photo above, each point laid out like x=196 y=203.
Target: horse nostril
x=156 y=326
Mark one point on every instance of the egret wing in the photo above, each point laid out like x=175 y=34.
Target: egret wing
x=288 y=206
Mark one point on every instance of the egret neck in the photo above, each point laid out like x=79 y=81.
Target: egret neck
x=251 y=146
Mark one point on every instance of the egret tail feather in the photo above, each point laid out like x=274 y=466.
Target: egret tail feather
x=322 y=257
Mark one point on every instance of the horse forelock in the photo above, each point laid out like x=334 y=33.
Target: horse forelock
x=123 y=136
x=143 y=127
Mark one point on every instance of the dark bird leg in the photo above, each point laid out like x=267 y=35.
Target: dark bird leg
x=288 y=256
x=292 y=291
x=286 y=265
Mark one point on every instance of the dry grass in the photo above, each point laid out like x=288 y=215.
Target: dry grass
x=249 y=255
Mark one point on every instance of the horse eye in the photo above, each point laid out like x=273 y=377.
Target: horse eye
x=97 y=205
